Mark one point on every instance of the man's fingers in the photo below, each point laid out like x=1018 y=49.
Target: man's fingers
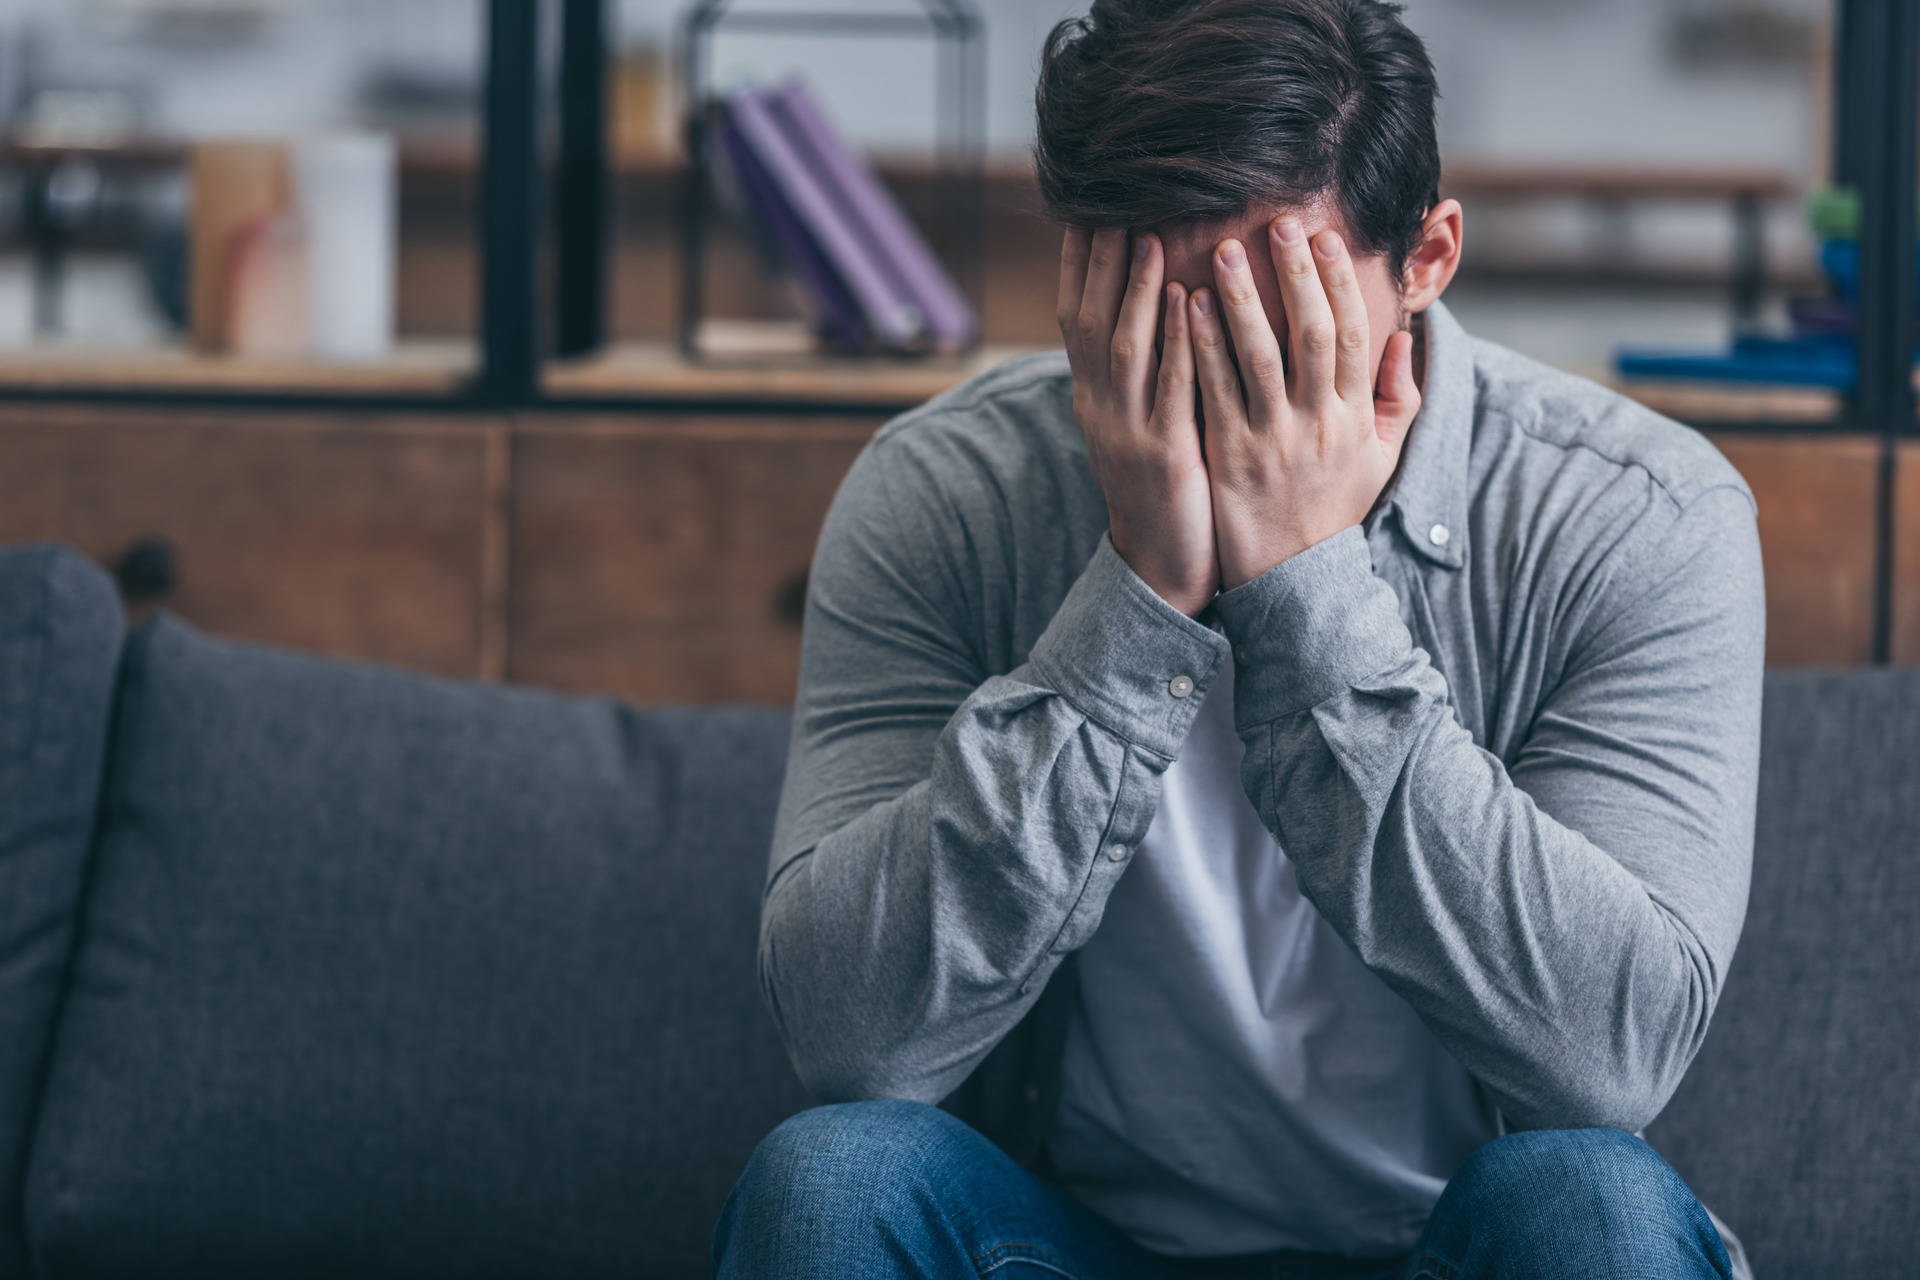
x=1397 y=396
x=1131 y=351
x=1075 y=248
x=1262 y=373
x=1221 y=398
x=1100 y=302
x=1310 y=326
x=1173 y=397
x=1352 y=379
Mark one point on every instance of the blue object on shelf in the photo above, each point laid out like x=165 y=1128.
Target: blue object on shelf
x=1800 y=362
x=1840 y=260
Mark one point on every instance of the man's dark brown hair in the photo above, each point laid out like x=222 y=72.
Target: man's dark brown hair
x=1164 y=113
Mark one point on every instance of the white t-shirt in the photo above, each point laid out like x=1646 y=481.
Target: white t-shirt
x=1235 y=1080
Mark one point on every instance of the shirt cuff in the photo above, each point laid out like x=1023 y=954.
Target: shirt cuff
x=1309 y=628
x=1126 y=658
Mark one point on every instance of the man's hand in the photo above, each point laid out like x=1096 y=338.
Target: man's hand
x=1298 y=446
x=1136 y=411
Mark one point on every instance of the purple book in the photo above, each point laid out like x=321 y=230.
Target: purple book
x=892 y=314
x=839 y=315
x=865 y=201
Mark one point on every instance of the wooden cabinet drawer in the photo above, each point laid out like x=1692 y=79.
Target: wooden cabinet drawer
x=1906 y=556
x=651 y=555
x=360 y=535
x=1816 y=497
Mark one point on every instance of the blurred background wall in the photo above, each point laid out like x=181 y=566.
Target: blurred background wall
x=1543 y=85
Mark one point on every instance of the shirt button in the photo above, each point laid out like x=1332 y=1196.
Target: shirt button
x=1117 y=853
x=1438 y=535
x=1180 y=686
x=1240 y=656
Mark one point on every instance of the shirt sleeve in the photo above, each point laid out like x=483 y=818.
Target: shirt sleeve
x=948 y=834
x=1563 y=925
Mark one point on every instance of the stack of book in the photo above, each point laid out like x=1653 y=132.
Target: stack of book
x=1820 y=349
x=869 y=277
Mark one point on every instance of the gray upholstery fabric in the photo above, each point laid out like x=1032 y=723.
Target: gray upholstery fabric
x=1800 y=1119
x=60 y=634
x=385 y=976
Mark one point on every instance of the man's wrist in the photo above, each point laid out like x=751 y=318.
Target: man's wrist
x=1126 y=658
x=1238 y=568
x=1314 y=625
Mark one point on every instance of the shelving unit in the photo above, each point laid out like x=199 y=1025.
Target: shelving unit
x=618 y=518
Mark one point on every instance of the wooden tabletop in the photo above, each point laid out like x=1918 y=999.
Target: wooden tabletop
x=1706 y=404
x=657 y=371
x=733 y=375
x=415 y=368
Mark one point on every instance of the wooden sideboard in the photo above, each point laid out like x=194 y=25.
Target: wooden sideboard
x=657 y=555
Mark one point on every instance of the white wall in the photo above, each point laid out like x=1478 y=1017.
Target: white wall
x=1558 y=81
x=1524 y=80
x=1593 y=81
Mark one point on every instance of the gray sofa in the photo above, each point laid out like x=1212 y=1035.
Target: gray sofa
x=314 y=969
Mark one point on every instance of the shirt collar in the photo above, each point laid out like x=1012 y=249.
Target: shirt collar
x=1430 y=498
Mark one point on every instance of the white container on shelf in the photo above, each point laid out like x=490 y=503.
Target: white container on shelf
x=345 y=190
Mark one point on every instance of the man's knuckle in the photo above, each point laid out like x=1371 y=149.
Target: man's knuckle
x=1317 y=337
x=1353 y=338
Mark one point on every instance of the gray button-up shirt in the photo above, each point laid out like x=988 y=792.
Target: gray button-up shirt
x=1508 y=735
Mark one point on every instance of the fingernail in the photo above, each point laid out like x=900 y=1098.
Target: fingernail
x=1231 y=256
x=1173 y=297
x=1328 y=243
x=1141 y=248
x=1203 y=302
x=1288 y=229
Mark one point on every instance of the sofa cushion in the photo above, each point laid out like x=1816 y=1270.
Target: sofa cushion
x=1799 y=1120
x=390 y=976
x=60 y=634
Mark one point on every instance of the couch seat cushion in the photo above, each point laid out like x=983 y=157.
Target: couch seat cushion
x=391 y=976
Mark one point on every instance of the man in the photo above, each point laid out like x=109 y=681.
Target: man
x=1282 y=776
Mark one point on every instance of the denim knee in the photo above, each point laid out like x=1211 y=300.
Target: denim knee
x=1590 y=1202
x=841 y=1170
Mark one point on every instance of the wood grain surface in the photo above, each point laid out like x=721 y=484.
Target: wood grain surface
x=659 y=558
x=1816 y=499
x=357 y=535
x=1906 y=556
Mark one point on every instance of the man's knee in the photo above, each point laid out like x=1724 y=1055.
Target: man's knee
x=848 y=1151
x=833 y=1181
x=1596 y=1194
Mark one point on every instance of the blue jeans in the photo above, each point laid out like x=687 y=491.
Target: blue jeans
x=873 y=1189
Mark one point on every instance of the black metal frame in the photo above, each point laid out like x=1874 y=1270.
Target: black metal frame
x=1877 y=109
x=580 y=182
x=510 y=207
x=959 y=126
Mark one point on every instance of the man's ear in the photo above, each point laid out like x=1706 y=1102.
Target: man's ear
x=1431 y=265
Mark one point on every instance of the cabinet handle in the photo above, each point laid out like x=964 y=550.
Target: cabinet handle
x=148 y=570
x=790 y=599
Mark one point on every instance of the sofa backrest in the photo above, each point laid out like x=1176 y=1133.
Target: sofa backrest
x=1799 y=1122
x=390 y=976
x=382 y=975
x=60 y=633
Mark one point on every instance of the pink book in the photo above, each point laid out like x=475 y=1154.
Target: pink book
x=865 y=201
x=890 y=311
